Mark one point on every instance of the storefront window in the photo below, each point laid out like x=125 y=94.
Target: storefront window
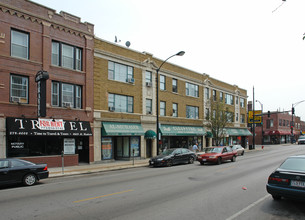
x=135 y=146
x=106 y=148
x=126 y=147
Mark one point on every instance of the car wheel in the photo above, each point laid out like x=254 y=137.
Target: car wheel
x=276 y=197
x=233 y=159
x=201 y=162
x=242 y=153
x=191 y=160
x=169 y=163
x=218 y=160
x=29 y=179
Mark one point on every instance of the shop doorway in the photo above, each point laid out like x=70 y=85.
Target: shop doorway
x=148 y=148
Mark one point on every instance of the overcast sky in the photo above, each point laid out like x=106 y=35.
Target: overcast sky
x=249 y=43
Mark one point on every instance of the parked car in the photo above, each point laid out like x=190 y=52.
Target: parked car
x=21 y=171
x=239 y=149
x=301 y=139
x=173 y=156
x=216 y=155
x=288 y=180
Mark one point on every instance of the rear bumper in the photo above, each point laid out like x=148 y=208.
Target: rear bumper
x=43 y=175
x=297 y=194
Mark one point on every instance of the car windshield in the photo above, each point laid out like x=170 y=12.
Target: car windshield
x=167 y=152
x=302 y=137
x=295 y=164
x=213 y=150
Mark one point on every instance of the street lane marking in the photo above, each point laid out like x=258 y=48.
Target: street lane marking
x=248 y=207
x=97 y=197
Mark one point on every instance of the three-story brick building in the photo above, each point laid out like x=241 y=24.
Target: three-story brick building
x=36 y=42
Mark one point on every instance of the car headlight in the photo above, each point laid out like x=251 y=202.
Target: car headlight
x=159 y=159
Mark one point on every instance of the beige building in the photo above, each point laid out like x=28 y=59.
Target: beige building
x=125 y=104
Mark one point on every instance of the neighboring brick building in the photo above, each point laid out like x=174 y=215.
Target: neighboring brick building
x=125 y=104
x=35 y=38
x=276 y=129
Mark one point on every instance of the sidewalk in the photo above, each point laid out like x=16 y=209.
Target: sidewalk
x=101 y=167
x=93 y=168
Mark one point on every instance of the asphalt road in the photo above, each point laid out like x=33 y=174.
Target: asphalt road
x=233 y=190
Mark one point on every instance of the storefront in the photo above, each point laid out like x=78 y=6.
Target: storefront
x=121 y=141
x=176 y=136
x=45 y=140
x=236 y=136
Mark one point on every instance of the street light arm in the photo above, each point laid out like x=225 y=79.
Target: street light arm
x=293 y=105
x=181 y=53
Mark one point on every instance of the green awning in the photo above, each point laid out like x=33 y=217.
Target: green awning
x=237 y=132
x=209 y=134
x=121 y=129
x=176 y=130
x=150 y=134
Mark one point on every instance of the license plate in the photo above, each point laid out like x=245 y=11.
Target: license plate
x=297 y=183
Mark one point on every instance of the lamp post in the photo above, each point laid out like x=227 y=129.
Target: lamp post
x=181 y=53
x=262 y=121
x=292 y=113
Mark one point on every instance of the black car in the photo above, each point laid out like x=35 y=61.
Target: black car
x=21 y=171
x=173 y=156
x=289 y=179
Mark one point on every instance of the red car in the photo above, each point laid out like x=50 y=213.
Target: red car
x=216 y=155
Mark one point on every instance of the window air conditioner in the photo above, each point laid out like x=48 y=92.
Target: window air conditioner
x=15 y=99
x=66 y=104
x=111 y=109
x=131 y=80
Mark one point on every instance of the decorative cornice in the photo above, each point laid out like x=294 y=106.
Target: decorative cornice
x=47 y=22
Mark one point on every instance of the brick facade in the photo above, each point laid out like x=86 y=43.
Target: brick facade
x=43 y=26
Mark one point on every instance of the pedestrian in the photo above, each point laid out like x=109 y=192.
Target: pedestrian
x=195 y=147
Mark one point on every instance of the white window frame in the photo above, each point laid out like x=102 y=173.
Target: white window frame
x=19 y=44
x=19 y=91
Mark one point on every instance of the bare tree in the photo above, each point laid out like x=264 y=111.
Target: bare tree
x=219 y=118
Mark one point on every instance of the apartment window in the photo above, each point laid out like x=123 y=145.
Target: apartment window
x=221 y=96
x=214 y=95
x=120 y=103
x=230 y=116
x=148 y=106
x=269 y=123
x=229 y=99
x=280 y=122
x=148 y=77
x=19 y=44
x=175 y=110
x=191 y=90
x=120 y=72
x=66 y=56
x=66 y=95
x=162 y=82
x=192 y=112
x=19 y=89
x=236 y=98
x=175 y=85
x=236 y=117
x=214 y=113
x=162 y=108
x=206 y=93
x=207 y=113
x=242 y=102
x=242 y=118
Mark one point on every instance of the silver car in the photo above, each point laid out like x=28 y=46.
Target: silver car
x=301 y=139
x=239 y=149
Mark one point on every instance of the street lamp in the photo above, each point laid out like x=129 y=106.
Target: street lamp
x=262 y=121
x=292 y=113
x=181 y=53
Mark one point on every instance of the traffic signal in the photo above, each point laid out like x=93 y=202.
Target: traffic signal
x=292 y=110
x=268 y=114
